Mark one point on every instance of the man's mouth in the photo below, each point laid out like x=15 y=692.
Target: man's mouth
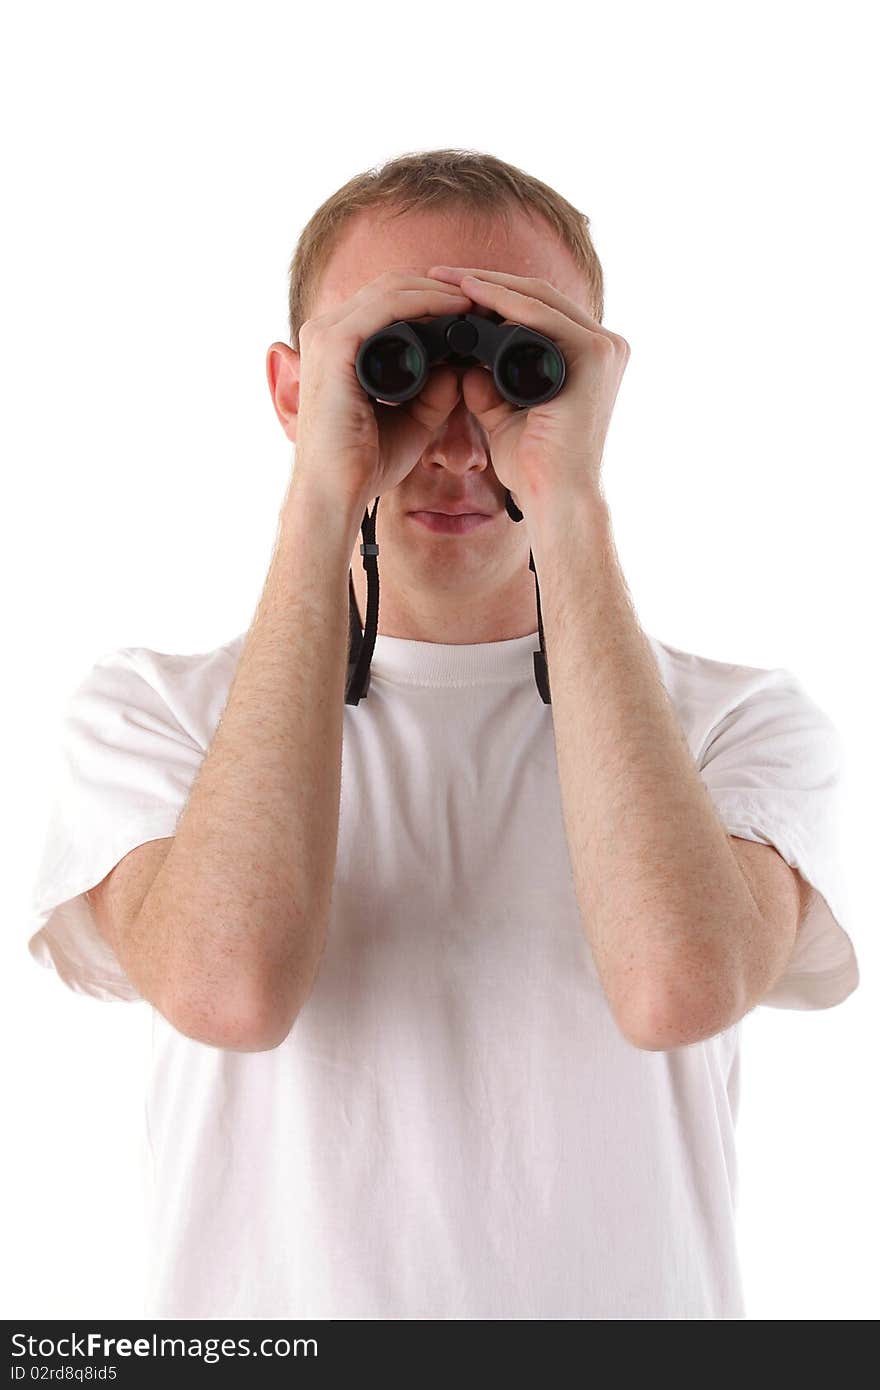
x=453 y=523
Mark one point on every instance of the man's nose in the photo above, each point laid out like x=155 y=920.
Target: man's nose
x=459 y=443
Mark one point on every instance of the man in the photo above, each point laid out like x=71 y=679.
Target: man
x=464 y=1045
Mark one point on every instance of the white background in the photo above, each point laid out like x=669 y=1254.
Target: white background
x=159 y=164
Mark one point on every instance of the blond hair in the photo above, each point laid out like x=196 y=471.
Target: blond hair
x=477 y=184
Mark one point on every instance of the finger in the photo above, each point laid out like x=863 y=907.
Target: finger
x=412 y=282
x=484 y=400
x=410 y=429
x=526 y=285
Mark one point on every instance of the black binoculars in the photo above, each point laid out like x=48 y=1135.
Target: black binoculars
x=393 y=364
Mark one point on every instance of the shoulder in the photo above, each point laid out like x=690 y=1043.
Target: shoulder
x=705 y=690
x=695 y=673
x=185 y=689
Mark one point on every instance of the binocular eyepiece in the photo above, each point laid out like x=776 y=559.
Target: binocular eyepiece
x=393 y=364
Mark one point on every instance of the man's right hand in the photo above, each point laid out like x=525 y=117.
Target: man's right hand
x=363 y=447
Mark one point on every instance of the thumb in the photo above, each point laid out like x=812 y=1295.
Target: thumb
x=437 y=399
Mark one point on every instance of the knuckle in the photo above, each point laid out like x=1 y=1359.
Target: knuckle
x=401 y=276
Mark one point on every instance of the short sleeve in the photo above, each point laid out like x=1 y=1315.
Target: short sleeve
x=124 y=769
x=775 y=768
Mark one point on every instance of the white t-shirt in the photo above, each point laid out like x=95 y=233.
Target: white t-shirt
x=455 y=1128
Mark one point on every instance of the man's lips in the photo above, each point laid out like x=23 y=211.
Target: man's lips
x=457 y=524
x=452 y=511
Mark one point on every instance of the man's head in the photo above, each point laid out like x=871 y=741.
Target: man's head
x=442 y=208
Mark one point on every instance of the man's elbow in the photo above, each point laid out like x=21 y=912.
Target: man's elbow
x=661 y=1019
x=248 y=1027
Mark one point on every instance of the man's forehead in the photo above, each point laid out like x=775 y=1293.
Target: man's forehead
x=415 y=242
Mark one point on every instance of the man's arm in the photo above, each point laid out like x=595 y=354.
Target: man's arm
x=680 y=942
x=783 y=899
x=230 y=932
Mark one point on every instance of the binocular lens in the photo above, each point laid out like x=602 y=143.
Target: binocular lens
x=529 y=370
x=392 y=365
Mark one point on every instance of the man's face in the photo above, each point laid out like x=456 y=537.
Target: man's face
x=425 y=572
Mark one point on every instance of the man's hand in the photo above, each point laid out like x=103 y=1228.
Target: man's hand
x=557 y=446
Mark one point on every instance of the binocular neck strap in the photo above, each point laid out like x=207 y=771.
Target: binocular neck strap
x=542 y=677
x=362 y=644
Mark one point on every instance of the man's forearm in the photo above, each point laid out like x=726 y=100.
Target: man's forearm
x=661 y=894
x=236 y=918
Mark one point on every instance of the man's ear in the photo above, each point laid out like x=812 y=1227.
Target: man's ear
x=282 y=373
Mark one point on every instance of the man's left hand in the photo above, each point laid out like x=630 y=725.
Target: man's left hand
x=559 y=445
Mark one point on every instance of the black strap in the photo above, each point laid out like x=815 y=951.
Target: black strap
x=542 y=675
x=361 y=644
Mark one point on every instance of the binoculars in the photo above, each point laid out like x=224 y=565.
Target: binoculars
x=393 y=364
